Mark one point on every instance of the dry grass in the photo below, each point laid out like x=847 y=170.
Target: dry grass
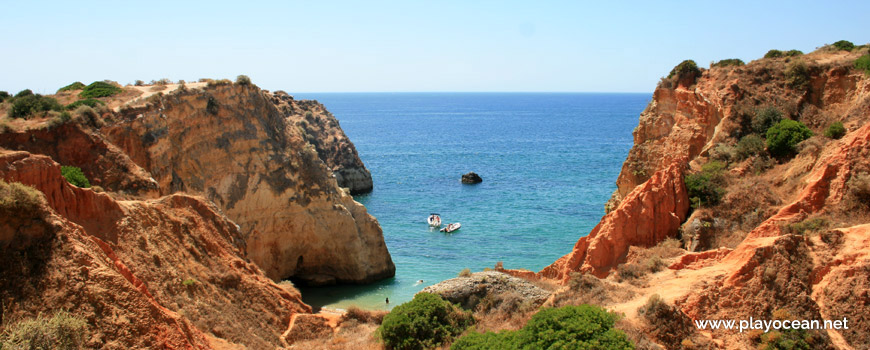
x=505 y=311
x=19 y=197
x=350 y=336
x=356 y=314
x=588 y=289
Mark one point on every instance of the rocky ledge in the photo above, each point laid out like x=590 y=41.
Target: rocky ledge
x=471 y=290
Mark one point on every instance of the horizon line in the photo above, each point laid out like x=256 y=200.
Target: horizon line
x=465 y=92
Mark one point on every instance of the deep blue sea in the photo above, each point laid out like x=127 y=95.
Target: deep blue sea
x=548 y=161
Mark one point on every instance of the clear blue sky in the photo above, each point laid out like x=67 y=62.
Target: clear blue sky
x=307 y=46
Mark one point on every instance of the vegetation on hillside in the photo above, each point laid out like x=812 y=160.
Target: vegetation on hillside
x=26 y=104
x=90 y=102
x=863 y=63
x=72 y=87
x=843 y=45
x=75 y=176
x=426 y=321
x=99 y=89
x=569 y=327
x=63 y=331
x=783 y=137
x=15 y=196
x=835 y=130
x=706 y=186
x=729 y=62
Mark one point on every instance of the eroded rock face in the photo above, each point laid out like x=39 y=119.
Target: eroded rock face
x=165 y=273
x=234 y=146
x=648 y=215
x=320 y=128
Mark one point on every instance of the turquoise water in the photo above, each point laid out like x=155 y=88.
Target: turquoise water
x=548 y=162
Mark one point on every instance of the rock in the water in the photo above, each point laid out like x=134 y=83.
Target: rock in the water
x=471 y=178
x=469 y=291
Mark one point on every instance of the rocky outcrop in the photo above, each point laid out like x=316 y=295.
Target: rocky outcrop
x=320 y=128
x=231 y=144
x=471 y=290
x=471 y=178
x=165 y=273
x=648 y=215
x=101 y=162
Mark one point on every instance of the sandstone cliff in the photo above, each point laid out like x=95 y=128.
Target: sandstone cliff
x=231 y=144
x=788 y=238
x=204 y=197
x=166 y=273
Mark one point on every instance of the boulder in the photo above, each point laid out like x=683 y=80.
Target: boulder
x=471 y=178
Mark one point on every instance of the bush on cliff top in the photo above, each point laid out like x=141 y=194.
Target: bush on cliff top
x=785 y=135
x=62 y=331
x=569 y=327
x=75 y=176
x=426 y=321
x=72 y=87
x=26 y=104
x=729 y=62
x=843 y=45
x=243 y=80
x=99 y=89
x=687 y=69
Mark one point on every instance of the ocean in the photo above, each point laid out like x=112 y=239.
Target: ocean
x=549 y=162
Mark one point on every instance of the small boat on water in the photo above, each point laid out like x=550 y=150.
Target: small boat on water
x=451 y=227
x=434 y=220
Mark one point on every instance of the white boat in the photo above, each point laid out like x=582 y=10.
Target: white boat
x=434 y=220
x=451 y=227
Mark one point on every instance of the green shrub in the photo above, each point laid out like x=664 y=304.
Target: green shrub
x=243 y=80
x=765 y=118
x=863 y=63
x=75 y=176
x=729 y=62
x=773 y=54
x=843 y=45
x=466 y=272
x=138 y=83
x=835 y=131
x=90 y=102
x=30 y=104
x=71 y=87
x=749 y=146
x=793 y=53
x=809 y=225
x=706 y=186
x=17 y=196
x=569 y=327
x=797 y=75
x=188 y=282
x=426 y=321
x=24 y=93
x=686 y=70
x=62 y=331
x=785 y=135
x=4 y=96
x=99 y=89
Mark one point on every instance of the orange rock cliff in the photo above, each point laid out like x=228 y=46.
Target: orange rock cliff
x=789 y=235
x=205 y=198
